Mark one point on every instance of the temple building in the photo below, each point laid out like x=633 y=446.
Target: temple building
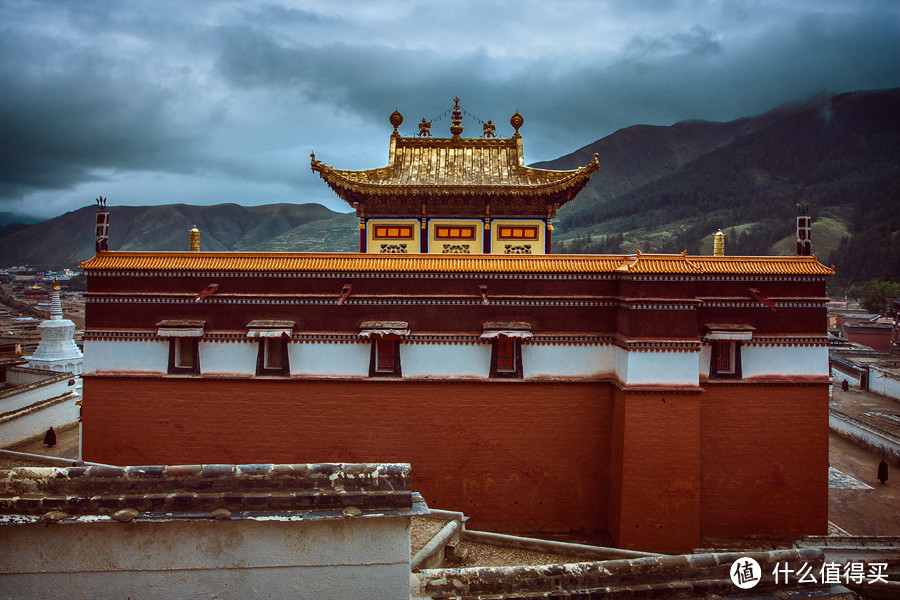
x=455 y=195
x=663 y=401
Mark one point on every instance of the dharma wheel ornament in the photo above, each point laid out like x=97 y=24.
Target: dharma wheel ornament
x=396 y=120
x=516 y=121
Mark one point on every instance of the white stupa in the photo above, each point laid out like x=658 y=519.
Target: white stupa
x=57 y=350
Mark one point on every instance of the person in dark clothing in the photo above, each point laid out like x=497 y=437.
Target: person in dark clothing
x=882 y=471
x=50 y=438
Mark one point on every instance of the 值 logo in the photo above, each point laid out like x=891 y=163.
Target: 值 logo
x=745 y=573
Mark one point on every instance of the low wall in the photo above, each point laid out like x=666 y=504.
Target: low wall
x=34 y=420
x=865 y=435
x=206 y=558
x=31 y=386
x=696 y=575
x=317 y=531
x=884 y=381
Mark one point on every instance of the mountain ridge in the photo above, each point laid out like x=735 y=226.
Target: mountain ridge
x=659 y=189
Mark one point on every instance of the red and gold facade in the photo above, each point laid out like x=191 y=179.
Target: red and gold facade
x=455 y=195
x=666 y=400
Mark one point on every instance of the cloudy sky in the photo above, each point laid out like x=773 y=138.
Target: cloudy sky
x=205 y=102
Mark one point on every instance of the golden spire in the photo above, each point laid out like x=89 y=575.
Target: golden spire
x=719 y=244
x=195 y=239
x=457 y=127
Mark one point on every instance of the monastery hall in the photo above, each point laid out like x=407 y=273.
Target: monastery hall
x=665 y=401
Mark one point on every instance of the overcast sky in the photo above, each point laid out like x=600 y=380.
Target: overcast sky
x=207 y=102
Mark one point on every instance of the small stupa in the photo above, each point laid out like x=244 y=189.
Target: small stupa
x=57 y=350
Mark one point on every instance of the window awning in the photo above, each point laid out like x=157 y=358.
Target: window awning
x=180 y=328
x=266 y=329
x=730 y=332
x=369 y=329
x=516 y=329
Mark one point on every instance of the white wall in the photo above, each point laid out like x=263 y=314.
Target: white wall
x=333 y=359
x=759 y=360
x=561 y=360
x=237 y=357
x=205 y=558
x=29 y=423
x=104 y=356
x=884 y=381
x=446 y=360
x=653 y=367
x=17 y=398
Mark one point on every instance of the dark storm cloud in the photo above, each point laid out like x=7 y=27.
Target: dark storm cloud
x=64 y=115
x=223 y=101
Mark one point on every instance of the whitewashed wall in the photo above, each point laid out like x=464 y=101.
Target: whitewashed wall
x=234 y=358
x=884 y=381
x=561 y=360
x=759 y=360
x=652 y=367
x=25 y=424
x=104 y=356
x=446 y=360
x=204 y=558
x=332 y=359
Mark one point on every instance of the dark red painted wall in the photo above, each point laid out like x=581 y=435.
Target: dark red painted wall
x=659 y=471
x=764 y=460
x=514 y=457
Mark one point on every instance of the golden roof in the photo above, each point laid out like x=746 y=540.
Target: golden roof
x=433 y=171
x=640 y=264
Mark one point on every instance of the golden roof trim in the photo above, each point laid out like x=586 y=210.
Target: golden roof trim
x=641 y=264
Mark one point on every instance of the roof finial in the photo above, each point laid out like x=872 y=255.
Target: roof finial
x=195 y=239
x=516 y=121
x=456 y=128
x=719 y=243
x=396 y=121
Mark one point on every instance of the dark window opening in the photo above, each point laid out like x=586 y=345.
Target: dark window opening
x=184 y=356
x=272 y=358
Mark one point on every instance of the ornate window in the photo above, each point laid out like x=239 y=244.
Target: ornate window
x=507 y=232
x=506 y=347
x=272 y=357
x=384 y=360
x=725 y=349
x=393 y=232
x=454 y=232
x=184 y=347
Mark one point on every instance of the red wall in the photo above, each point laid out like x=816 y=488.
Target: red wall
x=517 y=458
x=764 y=460
x=659 y=471
x=657 y=476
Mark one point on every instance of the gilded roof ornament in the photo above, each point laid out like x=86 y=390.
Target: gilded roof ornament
x=396 y=121
x=456 y=129
x=516 y=121
x=424 y=128
x=490 y=130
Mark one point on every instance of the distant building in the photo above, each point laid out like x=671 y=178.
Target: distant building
x=667 y=401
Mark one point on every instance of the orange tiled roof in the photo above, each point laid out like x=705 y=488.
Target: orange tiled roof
x=661 y=264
